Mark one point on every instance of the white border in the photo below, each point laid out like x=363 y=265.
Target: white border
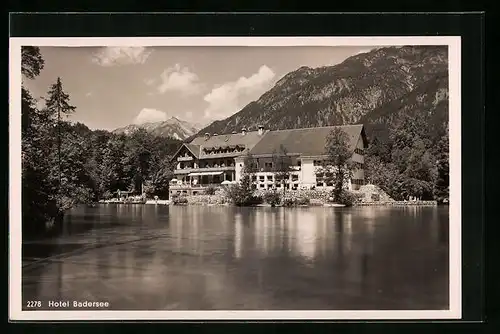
x=15 y=308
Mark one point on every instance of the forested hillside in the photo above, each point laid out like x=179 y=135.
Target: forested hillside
x=66 y=164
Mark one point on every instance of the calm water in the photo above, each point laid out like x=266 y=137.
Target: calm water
x=205 y=258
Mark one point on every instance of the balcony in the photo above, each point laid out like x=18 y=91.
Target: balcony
x=175 y=186
x=201 y=170
x=273 y=170
x=188 y=158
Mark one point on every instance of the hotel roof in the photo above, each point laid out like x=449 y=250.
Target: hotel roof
x=305 y=141
x=247 y=141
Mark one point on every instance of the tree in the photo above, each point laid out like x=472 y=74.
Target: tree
x=161 y=175
x=282 y=163
x=443 y=168
x=250 y=168
x=338 y=156
x=37 y=205
x=58 y=101
x=32 y=62
x=72 y=179
x=250 y=165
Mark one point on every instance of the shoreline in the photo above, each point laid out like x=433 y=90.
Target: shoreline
x=264 y=205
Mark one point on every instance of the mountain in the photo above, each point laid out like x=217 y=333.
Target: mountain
x=426 y=106
x=345 y=93
x=172 y=127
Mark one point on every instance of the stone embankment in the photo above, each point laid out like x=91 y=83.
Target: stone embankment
x=159 y=201
x=368 y=195
x=398 y=203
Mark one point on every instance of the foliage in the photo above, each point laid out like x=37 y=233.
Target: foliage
x=250 y=165
x=32 y=62
x=210 y=190
x=66 y=164
x=272 y=197
x=282 y=163
x=57 y=102
x=242 y=194
x=338 y=156
x=303 y=200
x=411 y=162
x=178 y=200
x=443 y=169
x=295 y=201
x=345 y=197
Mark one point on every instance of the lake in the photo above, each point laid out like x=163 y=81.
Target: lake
x=148 y=257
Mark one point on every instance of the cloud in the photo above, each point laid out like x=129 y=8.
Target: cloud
x=149 y=82
x=148 y=115
x=229 y=97
x=179 y=79
x=115 y=56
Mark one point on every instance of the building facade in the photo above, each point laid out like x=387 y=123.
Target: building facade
x=215 y=159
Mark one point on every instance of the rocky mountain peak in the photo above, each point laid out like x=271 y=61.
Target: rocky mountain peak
x=340 y=94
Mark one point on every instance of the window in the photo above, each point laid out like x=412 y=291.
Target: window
x=299 y=163
x=294 y=187
x=319 y=183
x=358 y=182
x=318 y=163
x=270 y=178
x=241 y=165
x=262 y=178
x=268 y=165
x=358 y=165
x=254 y=178
x=262 y=185
x=358 y=151
x=329 y=184
x=295 y=178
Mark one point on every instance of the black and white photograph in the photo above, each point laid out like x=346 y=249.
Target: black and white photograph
x=235 y=178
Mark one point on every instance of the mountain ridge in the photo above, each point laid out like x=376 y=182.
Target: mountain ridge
x=340 y=94
x=173 y=127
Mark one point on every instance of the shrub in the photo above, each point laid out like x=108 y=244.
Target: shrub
x=242 y=194
x=303 y=200
x=210 y=190
x=107 y=194
x=253 y=200
x=294 y=201
x=179 y=200
x=347 y=198
x=272 y=197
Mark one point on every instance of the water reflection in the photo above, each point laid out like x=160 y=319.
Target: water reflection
x=247 y=258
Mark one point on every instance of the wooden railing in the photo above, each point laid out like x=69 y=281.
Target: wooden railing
x=201 y=170
x=193 y=186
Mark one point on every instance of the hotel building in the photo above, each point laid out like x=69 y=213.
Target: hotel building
x=217 y=159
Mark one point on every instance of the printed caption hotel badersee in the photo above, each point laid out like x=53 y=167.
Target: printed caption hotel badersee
x=67 y=304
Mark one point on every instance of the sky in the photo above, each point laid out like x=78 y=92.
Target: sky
x=113 y=87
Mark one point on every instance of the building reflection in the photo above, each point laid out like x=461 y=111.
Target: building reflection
x=238 y=234
x=266 y=258
x=305 y=227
